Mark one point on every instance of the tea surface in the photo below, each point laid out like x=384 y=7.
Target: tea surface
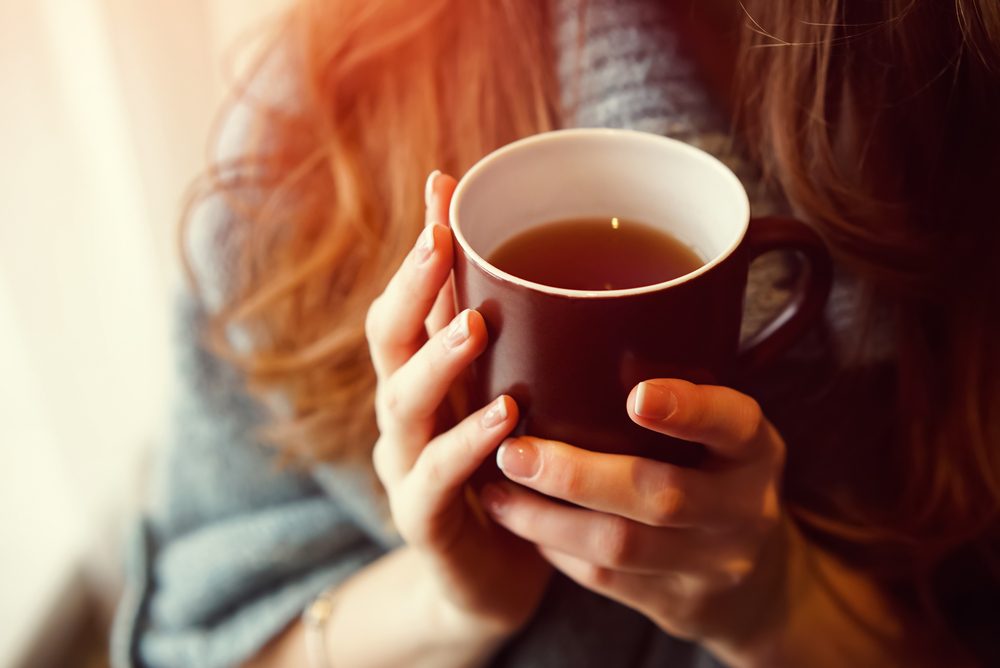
x=595 y=254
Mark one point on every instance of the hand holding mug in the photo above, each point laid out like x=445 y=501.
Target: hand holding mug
x=490 y=580
x=695 y=550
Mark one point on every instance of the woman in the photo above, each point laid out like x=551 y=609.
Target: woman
x=851 y=515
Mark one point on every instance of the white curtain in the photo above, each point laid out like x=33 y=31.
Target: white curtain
x=105 y=108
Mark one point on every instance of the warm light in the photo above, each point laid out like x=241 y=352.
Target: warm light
x=614 y=223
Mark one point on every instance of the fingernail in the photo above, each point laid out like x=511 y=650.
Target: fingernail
x=429 y=186
x=654 y=402
x=518 y=459
x=495 y=414
x=458 y=331
x=494 y=498
x=425 y=245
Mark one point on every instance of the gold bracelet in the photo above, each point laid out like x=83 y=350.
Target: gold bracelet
x=315 y=618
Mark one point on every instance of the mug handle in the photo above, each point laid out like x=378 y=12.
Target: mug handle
x=807 y=302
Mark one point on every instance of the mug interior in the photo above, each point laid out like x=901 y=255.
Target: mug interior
x=582 y=173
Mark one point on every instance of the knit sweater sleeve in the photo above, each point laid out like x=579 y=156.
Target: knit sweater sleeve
x=233 y=546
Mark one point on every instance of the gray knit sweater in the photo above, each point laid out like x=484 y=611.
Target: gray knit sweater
x=232 y=547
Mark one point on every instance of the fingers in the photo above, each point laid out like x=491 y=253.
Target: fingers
x=437 y=196
x=444 y=308
x=407 y=400
x=608 y=541
x=395 y=321
x=728 y=422
x=640 y=489
x=448 y=460
x=627 y=588
x=445 y=465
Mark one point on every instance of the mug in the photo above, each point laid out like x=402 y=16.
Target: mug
x=570 y=357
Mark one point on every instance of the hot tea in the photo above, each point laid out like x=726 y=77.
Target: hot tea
x=595 y=254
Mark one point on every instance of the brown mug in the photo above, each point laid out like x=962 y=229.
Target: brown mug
x=570 y=357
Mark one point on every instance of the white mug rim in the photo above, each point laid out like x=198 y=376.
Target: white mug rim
x=560 y=135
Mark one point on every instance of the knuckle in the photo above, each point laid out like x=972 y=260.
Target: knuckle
x=380 y=460
x=616 y=543
x=751 y=422
x=667 y=506
x=660 y=489
x=466 y=443
x=770 y=512
x=433 y=473
x=753 y=525
x=694 y=415
x=433 y=360
x=736 y=570
x=597 y=577
x=564 y=476
x=372 y=319
x=391 y=400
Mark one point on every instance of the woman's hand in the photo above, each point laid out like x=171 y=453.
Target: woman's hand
x=484 y=574
x=694 y=550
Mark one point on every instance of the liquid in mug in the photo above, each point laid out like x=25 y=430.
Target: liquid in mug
x=595 y=254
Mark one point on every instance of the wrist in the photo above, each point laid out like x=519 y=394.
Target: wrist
x=816 y=611
x=460 y=627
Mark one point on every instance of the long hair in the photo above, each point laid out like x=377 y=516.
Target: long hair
x=326 y=197
x=878 y=120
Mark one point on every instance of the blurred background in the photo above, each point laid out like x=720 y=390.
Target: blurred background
x=106 y=107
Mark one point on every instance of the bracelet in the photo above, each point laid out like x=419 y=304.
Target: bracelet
x=314 y=619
